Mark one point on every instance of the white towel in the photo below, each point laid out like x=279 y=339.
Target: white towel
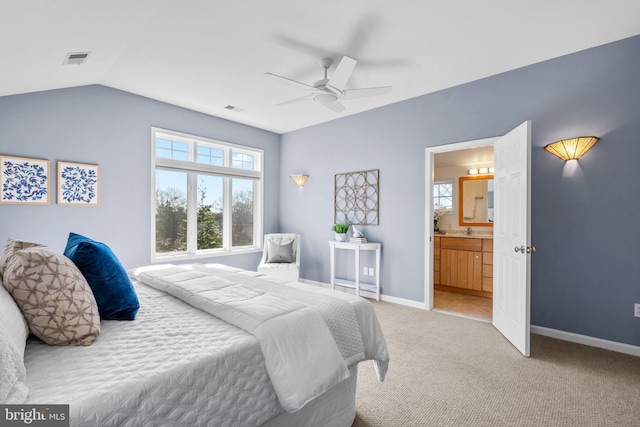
x=469 y=207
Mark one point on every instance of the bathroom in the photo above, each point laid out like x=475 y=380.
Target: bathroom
x=463 y=233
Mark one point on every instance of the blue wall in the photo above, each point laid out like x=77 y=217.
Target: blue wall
x=586 y=273
x=99 y=125
x=584 y=222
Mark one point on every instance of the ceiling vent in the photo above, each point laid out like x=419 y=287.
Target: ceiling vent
x=75 y=58
x=234 y=108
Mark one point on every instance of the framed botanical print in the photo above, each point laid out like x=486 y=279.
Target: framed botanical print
x=24 y=180
x=78 y=184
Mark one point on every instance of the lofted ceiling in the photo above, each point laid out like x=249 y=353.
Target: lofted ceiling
x=210 y=55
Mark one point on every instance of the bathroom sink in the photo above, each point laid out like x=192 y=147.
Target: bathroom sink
x=463 y=233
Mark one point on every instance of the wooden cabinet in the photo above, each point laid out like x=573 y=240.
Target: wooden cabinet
x=436 y=259
x=487 y=265
x=464 y=264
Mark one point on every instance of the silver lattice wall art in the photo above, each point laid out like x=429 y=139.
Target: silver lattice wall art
x=356 y=198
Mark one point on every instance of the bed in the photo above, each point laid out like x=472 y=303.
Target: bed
x=180 y=363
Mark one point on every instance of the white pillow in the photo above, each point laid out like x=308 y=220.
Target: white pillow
x=280 y=252
x=13 y=321
x=13 y=375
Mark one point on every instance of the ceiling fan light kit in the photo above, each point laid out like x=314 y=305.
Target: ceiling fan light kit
x=329 y=91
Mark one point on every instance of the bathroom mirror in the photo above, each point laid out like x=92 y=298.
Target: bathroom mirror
x=475 y=202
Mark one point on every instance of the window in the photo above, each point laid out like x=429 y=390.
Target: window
x=443 y=195
x=207 y=196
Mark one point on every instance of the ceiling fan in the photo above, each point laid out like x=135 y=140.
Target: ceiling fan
x=328 y=92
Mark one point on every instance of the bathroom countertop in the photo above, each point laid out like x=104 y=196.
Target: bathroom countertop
x=474 y=235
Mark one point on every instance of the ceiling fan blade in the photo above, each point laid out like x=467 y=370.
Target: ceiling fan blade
x=304 y=48
x=289 y=82
x=334 y=106
x=365 y=92
x=342 y=73
x=295 y=100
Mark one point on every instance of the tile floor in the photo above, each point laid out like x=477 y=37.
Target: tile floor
x=474 y=307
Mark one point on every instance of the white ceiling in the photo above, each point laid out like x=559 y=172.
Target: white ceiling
x=208 y=54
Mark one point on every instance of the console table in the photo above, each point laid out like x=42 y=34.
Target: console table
x=357 y=248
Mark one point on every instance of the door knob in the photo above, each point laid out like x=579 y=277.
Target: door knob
x=525 y=249
x=531 y=249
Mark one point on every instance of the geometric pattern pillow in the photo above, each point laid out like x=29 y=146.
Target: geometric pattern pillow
x=10 y=247
x=54 y=297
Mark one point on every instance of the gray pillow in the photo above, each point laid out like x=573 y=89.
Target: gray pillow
x=280 y=252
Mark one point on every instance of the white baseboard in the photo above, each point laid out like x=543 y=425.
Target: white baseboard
x=368 y=294
x=587 y=340
x=540 y=330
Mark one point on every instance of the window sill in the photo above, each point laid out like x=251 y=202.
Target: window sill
x=169 y=258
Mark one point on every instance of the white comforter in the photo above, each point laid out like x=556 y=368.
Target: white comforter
x=173 y=365
x=294 y=327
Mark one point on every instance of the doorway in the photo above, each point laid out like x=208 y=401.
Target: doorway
x=453 y=161
x=463 y=258
x=511 y=246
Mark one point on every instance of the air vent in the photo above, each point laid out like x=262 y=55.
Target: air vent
x=234 y=108
x=75 y=58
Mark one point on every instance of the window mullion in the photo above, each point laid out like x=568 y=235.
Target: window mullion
x=227 y=240
x=192 y=213
x=257 y=214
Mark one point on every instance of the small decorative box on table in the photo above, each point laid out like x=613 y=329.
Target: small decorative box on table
x=357 y=284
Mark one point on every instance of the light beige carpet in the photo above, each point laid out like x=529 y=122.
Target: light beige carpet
x=451 y=371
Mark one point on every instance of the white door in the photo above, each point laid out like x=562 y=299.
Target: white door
x=511 y=236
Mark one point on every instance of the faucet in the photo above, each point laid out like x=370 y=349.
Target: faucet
x=469 y=231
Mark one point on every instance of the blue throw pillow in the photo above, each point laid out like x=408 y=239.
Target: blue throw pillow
x=109 y=281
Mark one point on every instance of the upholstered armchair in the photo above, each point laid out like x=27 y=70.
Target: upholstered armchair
x=281 y=256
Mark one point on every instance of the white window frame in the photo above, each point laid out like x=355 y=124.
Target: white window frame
x=228 y=173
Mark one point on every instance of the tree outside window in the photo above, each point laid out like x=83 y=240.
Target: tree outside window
x=206 y=196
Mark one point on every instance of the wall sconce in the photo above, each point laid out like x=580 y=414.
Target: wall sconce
x=572 y=149
x=299 y=180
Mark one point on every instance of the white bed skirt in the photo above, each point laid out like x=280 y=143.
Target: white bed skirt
x=337 y=407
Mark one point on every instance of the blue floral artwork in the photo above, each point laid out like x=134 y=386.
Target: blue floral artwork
x=24 y=180
x=78 y=184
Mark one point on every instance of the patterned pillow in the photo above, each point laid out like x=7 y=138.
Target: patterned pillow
x=10 y=247
x=54 y=297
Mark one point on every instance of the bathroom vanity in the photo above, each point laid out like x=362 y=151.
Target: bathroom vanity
x=463 y=263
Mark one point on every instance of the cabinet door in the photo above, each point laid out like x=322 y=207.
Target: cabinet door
x=461 y=269
x=470 y=270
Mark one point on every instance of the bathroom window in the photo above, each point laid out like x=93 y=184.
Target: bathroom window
x=443 y=194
